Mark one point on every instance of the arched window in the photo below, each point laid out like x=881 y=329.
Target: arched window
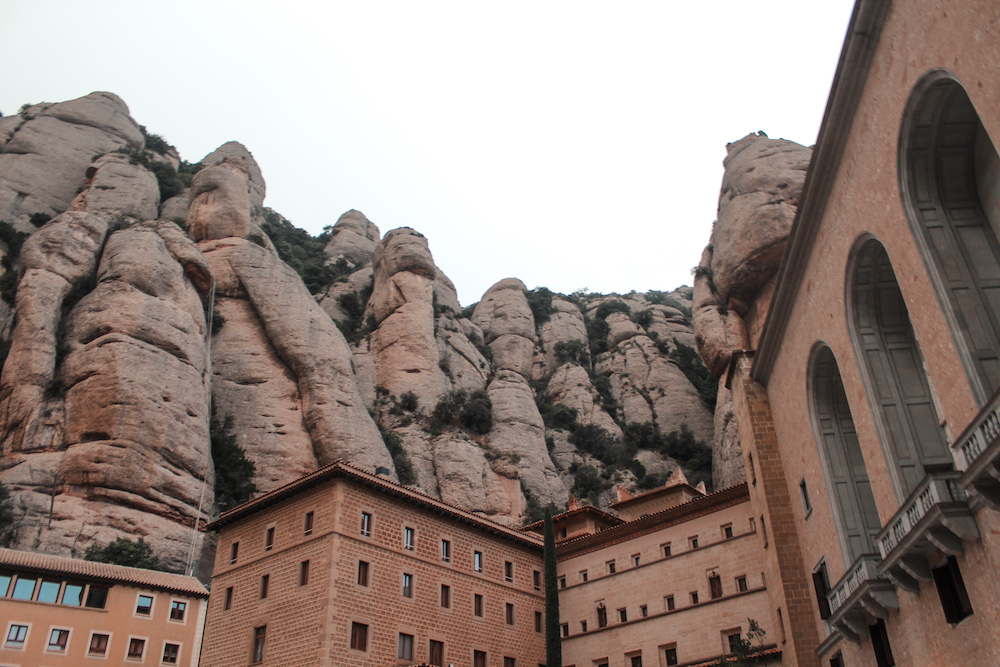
x=843 y=465
x=950 y=183
x=893 y=371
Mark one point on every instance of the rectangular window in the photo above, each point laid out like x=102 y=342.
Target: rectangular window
x=24 y=588
x=98 y=644
x=264 y=581
x=436 y=653
x=144 y=605
x=741 y=584
x=16 y=636
x=643 y=610
x=821 y=584
x=408 y=538
x=359 y=636
x=763 y=529
x=753 y=470
x=837 y=661
x=694 y=597
x=366 y=524
x=583 y=626
x=49 y=591
x=177 y=609
x=636 y=661
x=693 y=542
x=727 y=531
x=303 y=573
x=804 y=492
x=228 y=604
x=951 y=589
x=136 y=647
x=477 y=561
x=97 y=596
x=562 y=581
x=362 y=573
x=880 y=644
x=538 y=621
x=269 y=539
x=477 y=605
x=307 y=524
x=611 y=566
x=564 y=629
x=478 y=659
x=669 y=601
x=509 y=662
x=72 y=594
x=234 y=552
x=508 y=571
x=636 y=560
x=405 y=650
x=407 y=585
x=58 y=640
x=445 y=551
x=670 y=655
x=509 y=614
x=170 y=653
x=584 y=576
x=259 y=637
x=5 y=580
x=715 y=586
x=536 y=580
x=666 y=550
x=602 y=615
x=734 y=640
x=445 y=596
x=622 y=615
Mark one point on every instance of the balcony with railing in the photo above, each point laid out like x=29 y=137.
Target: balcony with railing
x=977 y=453
x=935 y=517
x=861 y=595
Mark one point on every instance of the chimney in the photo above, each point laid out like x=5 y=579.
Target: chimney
x=573 y=504
x=382 y=471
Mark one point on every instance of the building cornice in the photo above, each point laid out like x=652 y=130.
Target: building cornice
x=845 y=94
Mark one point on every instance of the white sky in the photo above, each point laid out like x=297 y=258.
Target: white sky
x=569 y=144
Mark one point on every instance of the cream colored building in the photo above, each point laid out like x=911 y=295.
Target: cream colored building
x=62 y=611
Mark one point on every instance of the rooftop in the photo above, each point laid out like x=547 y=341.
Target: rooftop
x=105 y=572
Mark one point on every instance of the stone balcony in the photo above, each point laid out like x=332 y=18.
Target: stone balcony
x=861 y=595
x=935 y=517
x=977 y=453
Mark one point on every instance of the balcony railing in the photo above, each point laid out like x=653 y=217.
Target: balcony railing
x=860 y=595
x=935 y=516
x=977 y=452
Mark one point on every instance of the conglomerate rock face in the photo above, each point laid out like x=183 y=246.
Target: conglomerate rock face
x=141 y=326
x=734 y=280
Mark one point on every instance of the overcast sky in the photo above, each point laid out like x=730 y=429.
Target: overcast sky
x=569 y=144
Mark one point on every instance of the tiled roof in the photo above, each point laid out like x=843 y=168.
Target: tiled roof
x=105 y=572
x=767 y=652
x=380 y=484
x=583 y=509
x=647 y=495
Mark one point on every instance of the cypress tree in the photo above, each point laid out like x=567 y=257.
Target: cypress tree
x=553 y=643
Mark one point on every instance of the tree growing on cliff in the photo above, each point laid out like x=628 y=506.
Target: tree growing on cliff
x=553 y=643
x=126 y=552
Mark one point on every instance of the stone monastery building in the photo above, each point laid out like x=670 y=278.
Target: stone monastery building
x=868 y=407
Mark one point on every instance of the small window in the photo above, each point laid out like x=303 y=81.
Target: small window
x=24 y=588
x=405 y=650
x=445 y=551
x=562 y=533
x=16 y=636
x=643 y=610
x=509 y=662
x=57 y=640
x=753 y=471
x=407 y=585
x=228 y=604
x=741 y=584
x=269 y=539
x=509 y=614
x=562 y=581
x=49 y=591
x=264 y=581
x=583 y=576
x=837 y=661
x=734 y=640
x=446 y=596
x=636 y=661
x=622 y=615
x=5 y=580
x=951 y=590
x=611 y=566
x=715 y=586
x=436 y=652
x=693 y=542
x=409 y=537
x=477 y=605
x=234 y=552
x=804 y=492
x=763 y=529
x=583 y=626
x=362 y=573
x=366 y=524
x=259 y=638
x=477 y=561
x=670 y=655
x=72 y=594
x=669 y=602
x=144 y=605
x=359 y=636
x=602 y=615
x=98 y=644
x=666 y=550
x=536 y=580
x=727 y=531
x=97 y=596
x=304 y=573
x=636 y=560
x=177 y=610
x=694 y=597
x=307 y=524
x=508 y=571
x=170 y=653
x=538 y=621
x=478 y=659
x=821 y=585
x=136 y=647
x=564 y=628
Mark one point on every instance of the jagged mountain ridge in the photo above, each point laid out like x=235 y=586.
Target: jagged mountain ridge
x=146 y=300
